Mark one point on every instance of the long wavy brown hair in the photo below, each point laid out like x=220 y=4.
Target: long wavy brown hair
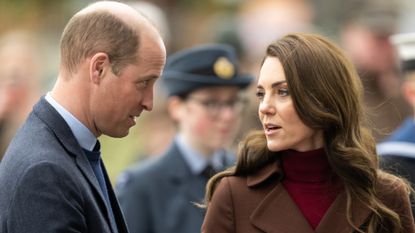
x=327 y=95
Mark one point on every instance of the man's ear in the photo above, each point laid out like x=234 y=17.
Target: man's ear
x=99 y=65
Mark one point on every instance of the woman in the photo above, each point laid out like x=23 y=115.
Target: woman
x=314 y=166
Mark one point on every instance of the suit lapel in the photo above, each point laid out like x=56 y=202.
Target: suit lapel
x=84 y=166
x=335 y=218
x=63 y=133
x=118 y=216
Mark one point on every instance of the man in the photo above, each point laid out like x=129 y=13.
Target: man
x=398 y=151
x=52 y=176
x=204 y=89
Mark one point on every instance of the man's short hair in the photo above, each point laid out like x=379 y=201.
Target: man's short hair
x=100 y=31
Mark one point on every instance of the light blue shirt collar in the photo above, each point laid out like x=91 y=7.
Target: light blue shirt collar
x=83 y=135
x=196 y=161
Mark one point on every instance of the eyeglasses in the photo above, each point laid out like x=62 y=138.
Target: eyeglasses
x=215 y=107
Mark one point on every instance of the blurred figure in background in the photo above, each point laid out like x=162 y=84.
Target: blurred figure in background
x=262 y=21
x=365 y=31
x=19 y=82
x=398 y=150
x=205 y=101
x=156 y=16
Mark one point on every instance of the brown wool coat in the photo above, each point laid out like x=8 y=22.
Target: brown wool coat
x=259 y=203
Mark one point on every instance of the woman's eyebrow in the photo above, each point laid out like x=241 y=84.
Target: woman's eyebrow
x=278 y=83
x=273 y=85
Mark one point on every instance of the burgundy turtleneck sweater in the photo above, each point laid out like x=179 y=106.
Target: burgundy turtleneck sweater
x=310 y=182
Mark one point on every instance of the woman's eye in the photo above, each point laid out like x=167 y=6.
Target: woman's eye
x=259 y=95
x=283 y=92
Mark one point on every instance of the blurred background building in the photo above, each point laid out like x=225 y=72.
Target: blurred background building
x=361 y=27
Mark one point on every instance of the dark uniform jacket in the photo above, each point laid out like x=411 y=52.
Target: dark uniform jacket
x=397 y=153
x=159 y=195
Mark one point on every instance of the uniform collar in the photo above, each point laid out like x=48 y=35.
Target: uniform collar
x=196 y=161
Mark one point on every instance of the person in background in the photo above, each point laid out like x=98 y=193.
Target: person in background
x=19 y=84
x=364 y=34
x=205 y=101
x=397 y=152
x=52 y=176
x=313 y=167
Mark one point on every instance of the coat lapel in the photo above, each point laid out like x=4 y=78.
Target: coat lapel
x=335 y=218
x=277 y=212
x=85 y=167
x=65 y=136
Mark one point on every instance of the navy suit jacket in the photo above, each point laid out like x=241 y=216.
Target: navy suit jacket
x=397 y=153
x=47 y=184
x=159 y=195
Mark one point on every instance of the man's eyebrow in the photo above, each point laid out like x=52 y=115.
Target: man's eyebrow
x=148 y=78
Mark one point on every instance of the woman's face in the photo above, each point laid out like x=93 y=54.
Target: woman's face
x=282 y=125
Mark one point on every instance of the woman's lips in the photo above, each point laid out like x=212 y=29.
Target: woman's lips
x=271 y=128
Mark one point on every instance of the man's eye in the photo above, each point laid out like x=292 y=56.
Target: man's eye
x=143 y=84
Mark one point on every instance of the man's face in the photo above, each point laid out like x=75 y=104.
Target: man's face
x=121 y=98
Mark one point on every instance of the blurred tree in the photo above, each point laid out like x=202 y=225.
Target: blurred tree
x=35 y=14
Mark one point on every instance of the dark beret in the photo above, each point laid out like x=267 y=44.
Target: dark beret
x=203 y=66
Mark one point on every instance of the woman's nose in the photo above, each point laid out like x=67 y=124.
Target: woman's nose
x=266 y=107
